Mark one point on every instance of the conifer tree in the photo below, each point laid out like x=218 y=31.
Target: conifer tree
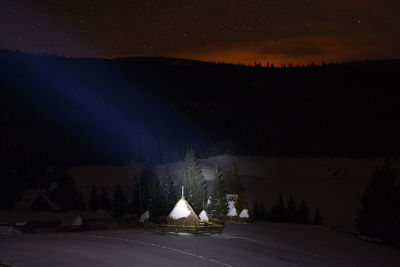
x=218 y=206
x=136 y=205
x=234 y=184
x=393 y=228
x=262 y=212
x=145 y=188
x=158 y=202
x=105 y=203
x=193 y=181
x=169 y=191
x=164 y=197
x=376 y=217
x=119 y=205
x=317 y=216
x=67 y=187
x=291 y=210
x=94 y=201
x=256 y=210
x=278 y=211
x=302 y=214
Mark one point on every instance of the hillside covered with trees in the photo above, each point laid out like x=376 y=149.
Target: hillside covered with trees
x=80 y=111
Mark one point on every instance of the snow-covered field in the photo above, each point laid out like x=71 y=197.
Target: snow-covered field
x=259 y=244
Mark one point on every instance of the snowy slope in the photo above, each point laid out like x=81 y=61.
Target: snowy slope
x=259 y=244
x=231 y=209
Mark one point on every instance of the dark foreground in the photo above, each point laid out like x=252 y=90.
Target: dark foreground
x=260 y=244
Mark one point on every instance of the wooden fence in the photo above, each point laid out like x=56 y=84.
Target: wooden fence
x=9 y=227
x=206 y=229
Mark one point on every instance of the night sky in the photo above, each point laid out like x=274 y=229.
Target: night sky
x=277 y=31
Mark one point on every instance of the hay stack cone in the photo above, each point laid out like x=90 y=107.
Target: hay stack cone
x=232 y=212
x=183 y=214
x=204 y=216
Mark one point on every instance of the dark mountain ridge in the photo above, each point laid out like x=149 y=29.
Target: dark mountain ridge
x=82 y=111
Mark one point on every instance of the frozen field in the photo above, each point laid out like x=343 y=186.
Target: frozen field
x=260 y=244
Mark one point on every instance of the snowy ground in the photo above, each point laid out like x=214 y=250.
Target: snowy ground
x=260 y=244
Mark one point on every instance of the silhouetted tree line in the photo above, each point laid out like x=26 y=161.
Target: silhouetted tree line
x=157 y=195
x=379 y=214
x=223 y=185
x=210 y=198
x=289 y=213
x=86 y=111
x=151 y=193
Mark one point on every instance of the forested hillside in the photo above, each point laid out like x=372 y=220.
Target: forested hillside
x=116 y=110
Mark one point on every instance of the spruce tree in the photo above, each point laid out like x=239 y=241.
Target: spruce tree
x=136 y=205
x=145 y=188
x=193 y=181
x=302 y=214
x=218 y=206
x=291 y=210
x=169 y=191
x=278 y=211
x=164 y=197
x=393 y=228
x=94 y=201
x=119 y=205
x=158 y=202
x=262 y=212
x=234 y=184
x=256 y=210
x=68 y=188
x=376 y=216
x=317 y=216
x=105 y=203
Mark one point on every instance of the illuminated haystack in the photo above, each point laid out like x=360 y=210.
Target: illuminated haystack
x=244 y=214
x=183 y=214
x=204 y=216
x=235 y=207
x=232 y=212
x=145 y=217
